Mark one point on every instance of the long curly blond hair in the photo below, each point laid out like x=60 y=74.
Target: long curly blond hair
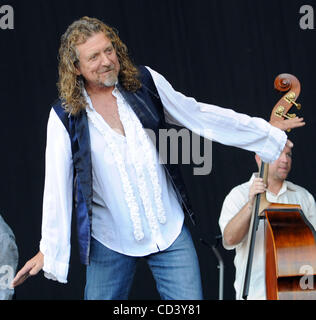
x=70 y=85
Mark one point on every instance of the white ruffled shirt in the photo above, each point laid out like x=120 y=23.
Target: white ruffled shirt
x=135 y=208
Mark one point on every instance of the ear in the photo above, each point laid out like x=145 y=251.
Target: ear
x=77 y=69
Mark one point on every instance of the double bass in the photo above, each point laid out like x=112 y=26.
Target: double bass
x=290 y=240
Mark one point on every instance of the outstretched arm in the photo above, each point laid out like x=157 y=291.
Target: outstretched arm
x=224 y=125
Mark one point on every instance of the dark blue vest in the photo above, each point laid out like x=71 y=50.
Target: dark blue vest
x=148 y=107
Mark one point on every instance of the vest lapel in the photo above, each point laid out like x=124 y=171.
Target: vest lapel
x=82 y=155
x=148 y=117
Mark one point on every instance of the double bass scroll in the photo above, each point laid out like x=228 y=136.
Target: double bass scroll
x=286 y=83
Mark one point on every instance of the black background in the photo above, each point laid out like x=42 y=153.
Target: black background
x=221 y=52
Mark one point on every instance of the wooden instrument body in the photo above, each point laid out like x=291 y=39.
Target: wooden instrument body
x=290 y=245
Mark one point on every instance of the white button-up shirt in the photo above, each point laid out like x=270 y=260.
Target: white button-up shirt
x=234 y=201
x=135 y=209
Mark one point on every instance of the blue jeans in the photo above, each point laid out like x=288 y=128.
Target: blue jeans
x=175 y=270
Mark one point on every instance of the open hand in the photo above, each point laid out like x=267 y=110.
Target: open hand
x=288 y=123
x=31 y=268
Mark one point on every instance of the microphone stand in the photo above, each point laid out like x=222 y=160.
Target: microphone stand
x=220 y=265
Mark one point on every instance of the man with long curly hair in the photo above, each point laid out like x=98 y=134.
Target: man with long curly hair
x=99 y=152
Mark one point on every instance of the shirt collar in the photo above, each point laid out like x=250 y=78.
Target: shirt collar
x=115 y=93
x=87 y=97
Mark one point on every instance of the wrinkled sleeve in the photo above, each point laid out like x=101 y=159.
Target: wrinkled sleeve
x=57 y=201
x=220 y=124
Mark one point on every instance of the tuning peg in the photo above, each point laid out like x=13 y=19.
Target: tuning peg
x=290 y=98
x=297 y=105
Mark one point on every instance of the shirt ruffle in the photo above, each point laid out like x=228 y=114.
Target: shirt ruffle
x=143 y=157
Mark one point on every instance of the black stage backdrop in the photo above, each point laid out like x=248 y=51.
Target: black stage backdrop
x=221 y=52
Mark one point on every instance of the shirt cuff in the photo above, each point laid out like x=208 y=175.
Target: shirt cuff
x=274 y=145
x=54 y=270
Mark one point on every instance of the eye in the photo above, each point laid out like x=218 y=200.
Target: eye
x=94 y=57
x=109 y=50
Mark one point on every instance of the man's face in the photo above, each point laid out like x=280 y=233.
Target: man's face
x=279 y=169
x=98 y=62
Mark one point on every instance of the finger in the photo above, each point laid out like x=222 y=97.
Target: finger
x=19 y=279
x=35 y=270
x=22 y=275
x=301 y=124
x=294 y=123
x=259 y=182
x=259 y=189
x=288 y=123
x=259 y=186
x=289 y=144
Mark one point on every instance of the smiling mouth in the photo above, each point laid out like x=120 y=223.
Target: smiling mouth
x=104 y=72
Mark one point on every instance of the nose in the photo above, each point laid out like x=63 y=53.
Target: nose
x=105 y=60
x=283 y=157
